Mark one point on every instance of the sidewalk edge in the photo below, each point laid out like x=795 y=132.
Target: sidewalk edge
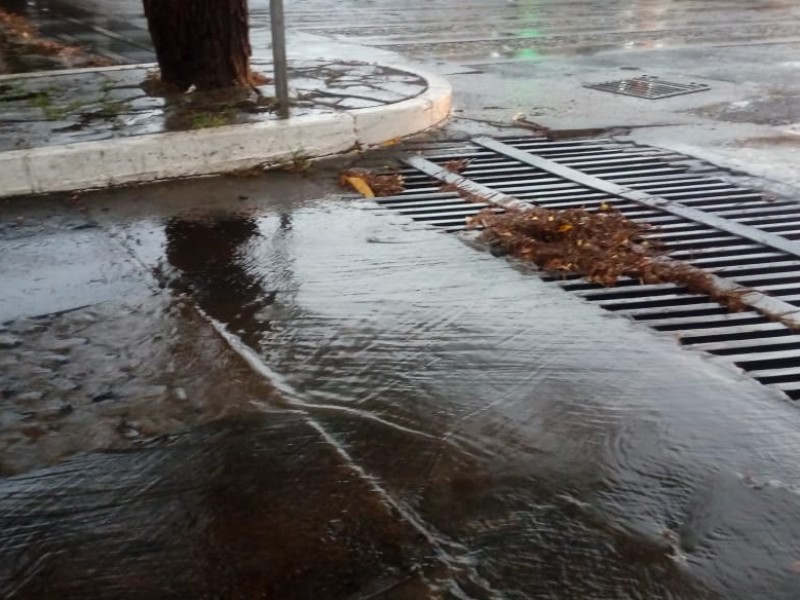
x=154 y=157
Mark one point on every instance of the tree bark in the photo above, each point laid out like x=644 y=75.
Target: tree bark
x=205 y=43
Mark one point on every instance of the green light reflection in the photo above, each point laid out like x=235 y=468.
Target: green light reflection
x=528 y=12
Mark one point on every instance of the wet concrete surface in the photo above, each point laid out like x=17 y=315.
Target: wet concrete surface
x=274 y=392
x=73 y=107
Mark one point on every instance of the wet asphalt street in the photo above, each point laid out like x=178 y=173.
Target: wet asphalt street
x=479 y=30
x=254 y=388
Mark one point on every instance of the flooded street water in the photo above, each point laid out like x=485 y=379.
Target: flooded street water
x=277 y=393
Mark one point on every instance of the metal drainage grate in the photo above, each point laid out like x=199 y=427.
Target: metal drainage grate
x=649 y=87
x=738 y=235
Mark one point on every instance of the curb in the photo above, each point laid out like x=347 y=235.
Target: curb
x=155 y=157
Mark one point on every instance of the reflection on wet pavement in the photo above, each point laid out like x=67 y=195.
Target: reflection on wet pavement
x=205 y=252
x=244 y=508
x=377 y=411
x=110 y=376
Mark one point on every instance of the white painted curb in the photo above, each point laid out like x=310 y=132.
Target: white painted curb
x=383 y=123
x=154 y=157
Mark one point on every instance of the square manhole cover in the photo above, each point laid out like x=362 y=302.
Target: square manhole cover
x=648 y=87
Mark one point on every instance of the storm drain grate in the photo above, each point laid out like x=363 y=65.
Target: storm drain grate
x=647 y=86
x=739 y=235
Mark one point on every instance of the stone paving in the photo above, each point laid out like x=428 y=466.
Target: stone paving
x=87 y=106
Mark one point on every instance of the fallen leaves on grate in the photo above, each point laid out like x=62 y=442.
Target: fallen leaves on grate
x=601 y=246
x=371 y=184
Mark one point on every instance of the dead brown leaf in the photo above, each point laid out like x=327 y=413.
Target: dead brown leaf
x=365 y=181
x=457 y=166
x=257 y=78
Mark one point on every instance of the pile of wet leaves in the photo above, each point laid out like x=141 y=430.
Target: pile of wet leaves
x=601 y=245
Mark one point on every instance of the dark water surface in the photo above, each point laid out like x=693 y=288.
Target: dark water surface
x=374 y=410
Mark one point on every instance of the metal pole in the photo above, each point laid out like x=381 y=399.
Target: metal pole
x=279 y=56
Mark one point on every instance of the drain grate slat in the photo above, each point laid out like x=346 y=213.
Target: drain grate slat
x=715 y=262
x=773 y=277
x=783 y=227
x=468 y=210
x=774 y=267
x=712 y=203
x=613 y=189
x=660 y=313
x=717 y=241
x=766 y=330
x=705 y=197
x=687 y=187
x=701 y=237
x=739 y=250
x=790 y=388
x=777 y=375
x=443 y=202
x=767 y=358
x=702 y=322
x=762 y=210
x=677 y=178
x=648 y=302
x=737 y=346
x=599 y=293
x=701 y=215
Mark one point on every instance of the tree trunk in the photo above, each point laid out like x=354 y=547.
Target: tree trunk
x=205 y=43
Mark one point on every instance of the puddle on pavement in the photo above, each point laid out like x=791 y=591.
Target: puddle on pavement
x=445 y=426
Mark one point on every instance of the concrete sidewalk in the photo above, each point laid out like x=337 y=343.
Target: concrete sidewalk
x=92 y=128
